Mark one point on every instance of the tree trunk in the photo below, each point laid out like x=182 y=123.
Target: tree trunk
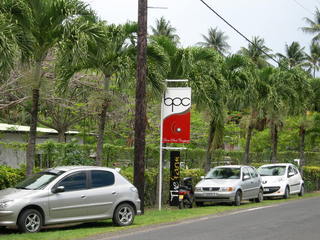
x=274 y=142
x=30 y=154
x=140 y=108
x=31 y=147
x=212 y=130
x=102 y=123
x=246 y=158
x=302 y=134
x=102 y=120
x=62 y=136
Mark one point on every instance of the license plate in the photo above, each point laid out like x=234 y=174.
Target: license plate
x=210 y=194
x=267 y=189
x=180 y=197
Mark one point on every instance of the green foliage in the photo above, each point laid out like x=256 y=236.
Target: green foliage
x=311 y=175
x=10 y=176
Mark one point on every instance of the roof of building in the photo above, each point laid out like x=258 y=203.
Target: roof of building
x=4 y=127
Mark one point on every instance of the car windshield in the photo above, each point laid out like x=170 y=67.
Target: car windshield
x=272 y=170
x=224 y=173
x=39 y=180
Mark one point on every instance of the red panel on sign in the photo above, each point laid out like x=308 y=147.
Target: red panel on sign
x=176 y=128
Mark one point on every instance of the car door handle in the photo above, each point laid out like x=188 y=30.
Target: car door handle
x=83 y=196
x=114 y=193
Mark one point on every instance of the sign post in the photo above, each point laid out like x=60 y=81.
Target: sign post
x=175 y=122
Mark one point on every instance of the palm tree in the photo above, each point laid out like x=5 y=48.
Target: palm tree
x=256 y=52
x=209 y=86
x=313 y=26
x=313 y=60
x=216 y=39
x=294 y=55
x=210 y=92
x=115 y=59
x=13 y=40
x=111 y=58
x=46 y=23
x=164 y=28
x=245 y=92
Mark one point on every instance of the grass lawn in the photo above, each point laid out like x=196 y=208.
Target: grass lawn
x=151 y=216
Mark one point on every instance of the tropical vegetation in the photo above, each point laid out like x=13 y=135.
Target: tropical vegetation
x=77 y=72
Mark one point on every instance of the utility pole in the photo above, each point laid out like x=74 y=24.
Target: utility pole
x=140 y=108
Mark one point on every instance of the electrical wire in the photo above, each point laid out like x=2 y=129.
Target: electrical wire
x=303 y=7
x=241 y=34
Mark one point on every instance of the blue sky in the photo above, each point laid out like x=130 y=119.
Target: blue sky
x=277 y=21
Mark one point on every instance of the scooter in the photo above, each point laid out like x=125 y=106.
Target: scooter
x=185 y=195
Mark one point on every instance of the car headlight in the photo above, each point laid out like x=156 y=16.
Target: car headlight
x=227 y=189
x=5 y=203
x=198 y=189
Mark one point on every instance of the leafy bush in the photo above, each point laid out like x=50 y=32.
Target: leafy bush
x=311 y=175
x=10 y=176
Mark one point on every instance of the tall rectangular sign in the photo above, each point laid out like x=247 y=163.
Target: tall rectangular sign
x=176 y=106
x=174 y=177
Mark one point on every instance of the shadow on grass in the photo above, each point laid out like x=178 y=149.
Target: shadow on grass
x=72 y=226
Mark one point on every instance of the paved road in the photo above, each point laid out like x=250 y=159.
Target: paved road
x=294 y=220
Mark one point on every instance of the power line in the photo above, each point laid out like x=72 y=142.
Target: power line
x=303 y=7
x=241 y=34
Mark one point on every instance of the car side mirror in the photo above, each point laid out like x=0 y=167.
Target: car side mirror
x=290 y=174
x=245 y=177
x=58 y=189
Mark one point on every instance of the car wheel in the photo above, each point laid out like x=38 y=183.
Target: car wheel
x=237 y=198
x=30 y=221
x=199 y=204
x=260 y=196
x=286 y=193
x=123 y=215
x=301 y=193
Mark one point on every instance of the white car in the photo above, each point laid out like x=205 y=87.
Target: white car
x=281 y=180
x=229 y=184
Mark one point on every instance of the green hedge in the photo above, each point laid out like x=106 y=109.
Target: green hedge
x=55 y=154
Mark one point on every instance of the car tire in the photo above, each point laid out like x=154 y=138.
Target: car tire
x=199 y=204
x=286 y=193
x=260 y=196
x=123 y=215
x=30 y=221
x=301 y=193
x=237 y=198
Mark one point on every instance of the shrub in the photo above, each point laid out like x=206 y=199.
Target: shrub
x=10 y=176
x=311 y=175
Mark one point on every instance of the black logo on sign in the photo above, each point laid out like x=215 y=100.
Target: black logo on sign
x=177 y=102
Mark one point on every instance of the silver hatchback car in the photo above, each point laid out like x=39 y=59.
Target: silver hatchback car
x=229 y=184
x=69 y=194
